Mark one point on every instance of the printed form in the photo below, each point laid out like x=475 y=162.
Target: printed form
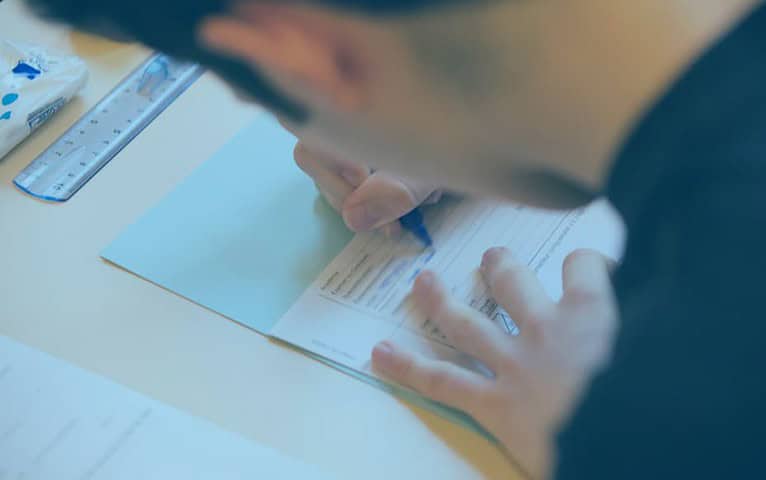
x=362 y=297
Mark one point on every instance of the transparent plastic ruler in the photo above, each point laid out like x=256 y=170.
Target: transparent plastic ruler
x=72 y=160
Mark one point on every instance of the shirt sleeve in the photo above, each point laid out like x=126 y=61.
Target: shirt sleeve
x=684 y=395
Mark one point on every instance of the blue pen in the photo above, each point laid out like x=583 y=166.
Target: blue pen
x=413 y=223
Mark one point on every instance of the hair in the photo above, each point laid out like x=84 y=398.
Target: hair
x=170 y=26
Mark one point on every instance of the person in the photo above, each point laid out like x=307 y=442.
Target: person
x=654 y=371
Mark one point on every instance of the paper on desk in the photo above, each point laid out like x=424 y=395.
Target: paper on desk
x=245 y=235
x=362 y=297
x=57 y=421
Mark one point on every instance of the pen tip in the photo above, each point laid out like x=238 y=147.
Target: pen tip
x=426 y=238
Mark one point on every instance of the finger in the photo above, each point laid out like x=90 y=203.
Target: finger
x=327 y=175
x=352 y=173
x=381 y=199
x=515 y=287
x=466 y=329
x=585 y=276
x=312 y=160
x=392 y=230
x=441 y=381
x=335 y=202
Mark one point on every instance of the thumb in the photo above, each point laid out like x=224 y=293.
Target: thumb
x=380 y=200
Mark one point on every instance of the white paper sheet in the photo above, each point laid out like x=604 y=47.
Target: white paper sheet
x=60 y=422
x=361 y=297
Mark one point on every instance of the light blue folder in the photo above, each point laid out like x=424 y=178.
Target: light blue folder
x=244 y=236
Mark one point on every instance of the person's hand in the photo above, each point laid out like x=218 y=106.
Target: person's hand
x=367 y=201
x=539 y=374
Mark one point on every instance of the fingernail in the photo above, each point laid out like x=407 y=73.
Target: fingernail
x=423 y=291
x=383 y=356
x=426 y=280
x=362 y=218
x=490 y=256
x=358 y=219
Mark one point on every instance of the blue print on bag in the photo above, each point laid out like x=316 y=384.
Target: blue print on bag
x=27 y=70
x=6 y=100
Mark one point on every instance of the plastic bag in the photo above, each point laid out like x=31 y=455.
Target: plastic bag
x=34 y=84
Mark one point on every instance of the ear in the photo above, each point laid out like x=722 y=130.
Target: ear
x=309 y=55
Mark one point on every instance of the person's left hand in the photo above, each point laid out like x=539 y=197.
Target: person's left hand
x=538 y=375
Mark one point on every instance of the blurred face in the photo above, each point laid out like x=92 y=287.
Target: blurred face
x=522 y=99
x=517 y=99
x=423 y=100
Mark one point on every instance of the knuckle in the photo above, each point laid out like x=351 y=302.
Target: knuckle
x=583 y=295
x=394 y=190
x=535 y=314
x=301 y=156
x=535 y=330
x=583 y=255
x=400 y=195
x=436 y=383
x=461 y=330
x=504 y=278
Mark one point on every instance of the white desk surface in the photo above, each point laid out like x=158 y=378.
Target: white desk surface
x=58 y=296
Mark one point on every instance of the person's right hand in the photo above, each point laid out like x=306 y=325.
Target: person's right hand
x=366 y=200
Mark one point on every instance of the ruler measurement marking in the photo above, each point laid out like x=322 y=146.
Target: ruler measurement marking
x=101 y=133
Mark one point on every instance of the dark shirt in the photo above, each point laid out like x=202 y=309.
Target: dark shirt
x=685 y=393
